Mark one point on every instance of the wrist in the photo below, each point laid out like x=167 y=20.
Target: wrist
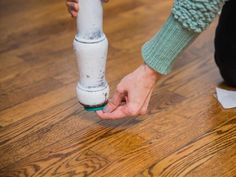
x=151 y=72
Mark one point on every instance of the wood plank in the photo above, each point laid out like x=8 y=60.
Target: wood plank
x=185 y=160
x=37 y=104
x=45 y=132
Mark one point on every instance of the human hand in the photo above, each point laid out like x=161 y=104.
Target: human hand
x=132 y=95
x=73 y=7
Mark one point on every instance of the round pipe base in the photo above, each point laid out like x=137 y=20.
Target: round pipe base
x=94 y=108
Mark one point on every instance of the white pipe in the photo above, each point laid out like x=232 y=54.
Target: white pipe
x=90 y=21
x=91 y=47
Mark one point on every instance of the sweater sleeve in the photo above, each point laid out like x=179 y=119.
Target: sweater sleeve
x=187 y=20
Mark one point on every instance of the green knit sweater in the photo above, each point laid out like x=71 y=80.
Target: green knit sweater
x=187 y=20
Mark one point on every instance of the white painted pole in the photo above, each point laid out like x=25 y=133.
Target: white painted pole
x=91 y=47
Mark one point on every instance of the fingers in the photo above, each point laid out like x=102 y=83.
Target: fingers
x=136 y=101
x=114 y=102
x=129 y=109
x=118 y=113
x=73 y=7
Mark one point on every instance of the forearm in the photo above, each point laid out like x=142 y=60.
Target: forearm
x=187 y=21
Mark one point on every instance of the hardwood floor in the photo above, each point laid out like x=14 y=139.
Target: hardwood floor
x=45 y=132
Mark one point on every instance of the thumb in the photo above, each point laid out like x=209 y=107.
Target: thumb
x=114 y=102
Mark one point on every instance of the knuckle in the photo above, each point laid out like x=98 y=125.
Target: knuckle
x=143 y=111
x=67 y=4
x=119 y=88
x=133 y=110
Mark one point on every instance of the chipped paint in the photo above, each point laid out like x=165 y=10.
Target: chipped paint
x=91 y=47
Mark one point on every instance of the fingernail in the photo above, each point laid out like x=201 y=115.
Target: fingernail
x=106 y=109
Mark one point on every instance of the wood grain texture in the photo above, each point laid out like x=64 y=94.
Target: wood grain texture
x=185 y=160
x=45 y=132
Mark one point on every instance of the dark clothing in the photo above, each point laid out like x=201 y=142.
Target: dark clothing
x=225 y=43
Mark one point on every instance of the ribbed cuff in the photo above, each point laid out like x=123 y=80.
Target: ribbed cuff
x=161 y=51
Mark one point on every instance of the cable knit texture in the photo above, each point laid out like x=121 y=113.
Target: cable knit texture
x=196 y=14
x=159 y=52
x=188 y=19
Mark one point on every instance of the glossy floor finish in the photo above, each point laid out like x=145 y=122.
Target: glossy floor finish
x=45 y=132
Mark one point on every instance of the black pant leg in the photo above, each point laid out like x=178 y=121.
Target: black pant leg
x=225 y=43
